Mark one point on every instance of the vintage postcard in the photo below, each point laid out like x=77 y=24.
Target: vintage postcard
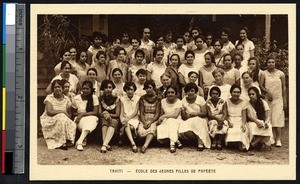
x=135 y=42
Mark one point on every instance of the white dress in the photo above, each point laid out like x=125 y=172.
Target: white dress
x=231 y=76
x=169 y=127
x=274 y=86
x=87 y=122
x=156 y=72
x=225 y=91
x=254 y=130
x=199 y=60
x=130 y=106
x=184 y=70
x=73 y=80
x=195 y=124
x=248 y=46
x=235 y=134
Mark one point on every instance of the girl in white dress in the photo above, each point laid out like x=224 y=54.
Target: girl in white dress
x=156 y=68
x=258 y=113
x=238 y=131
x=199 y=52
x=170 y=118
x=85 y=109
x=184 y=69
x=248 y=44
x=194 y=114
x=273 y=85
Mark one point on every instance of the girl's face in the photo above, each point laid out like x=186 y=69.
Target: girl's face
x=190 y=58
x=195 y=33
x=252 y=95
x=236 y=93
x=243 y=34
x=130 y=92
x=252 y=64
x=141 y=78
x=171 y=94
x=97 y=41
x=121 y=55
x=117 y=76
x=207 y=60
x=73 y=53
x=240 y=49
x=199 y=43
x=191 y=93
x=116 y=43
x=224 y=37
x=102 y=59
x=86 y=90
x=66 y=88
x=83 y=57
x=209 y=40
x=218 y=77
x=186 y=37
x=193 y=78
x=179 y=43
x=66 y=56
x=159 y=56
x=160 y=41
x=165 y=81
x=92 y=75
x=149 y=90
x=237 y=60
x=227 y=61
x=174 y=60
x=247 y=79
x=271 y=64
x=108 y=90
x=135 y=44
x=67 y=69
x=139 y=58
x=169 y=37
x=217 y=47
x=57 y=89
x=215 y=94
x=125 y=38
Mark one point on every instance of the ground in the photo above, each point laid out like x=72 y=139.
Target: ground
x=159 y=154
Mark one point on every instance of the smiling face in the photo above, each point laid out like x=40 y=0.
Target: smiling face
x=73 y=53
x=190 y=59
x=92 y=75
x=121 y=55
x=237 y=60
x=116 y=43
x=195 y=33
x=102 y=59
x=166 y=81
x=235 y=94
x=191 y=93
x=141 y=78
x=207 y=60
x=159 y=56
x=171 y=94
x=243 y=34
x=117 y=76
x=66 y=69
x=247 y=79
x=193 y=78
x=86 y=90
x=174 y=61
x=160 y=41
x=135 y=44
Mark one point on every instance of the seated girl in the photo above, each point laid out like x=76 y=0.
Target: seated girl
x=85 y=109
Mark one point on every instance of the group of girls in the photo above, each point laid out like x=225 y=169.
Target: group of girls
x=212 y=93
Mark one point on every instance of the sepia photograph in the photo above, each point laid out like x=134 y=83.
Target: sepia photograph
x=162 y=91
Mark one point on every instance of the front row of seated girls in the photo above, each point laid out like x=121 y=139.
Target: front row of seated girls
x=211 y=123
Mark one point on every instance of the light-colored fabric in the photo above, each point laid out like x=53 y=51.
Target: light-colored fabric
x=59 y=128
x=156 y=72
x=94 y=51
x=118 y=91
x=133 y=69
x=225 y=91
x=208 y=78
x=235 y=134
x=228 y=48
x=244 y=93
x=231 y=76
x=248 y=46
x=274 y=85
x=199 y=60
x=184 y=70
x=130 y=105
x=121 y=65
x=73 y=80
x=139 y=90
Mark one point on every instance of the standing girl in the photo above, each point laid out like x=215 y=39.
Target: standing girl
x=100 y=65
x=273 y=85
x=184 y=69
x=248 y=44
x=136 y=64
x=199 y=52
x=218 y=74
x=92 y=76
x=119 y=62
x=119 y=84
x=97 y=39
x=85 y=109
x=253 y=69
x=231 y=74
x=81 y=66
x=206 y=72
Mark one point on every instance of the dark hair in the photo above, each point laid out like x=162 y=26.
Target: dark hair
x=193 y=72
x=99 y=53
x=197 y=29
x=171 y=87
x=179 y=37
x=191 y=86
x=235 y=86
x=227 y=31
x=256 y=70
x=92 y=69
x=189 y=52
x=244 y=73
x=238 y=54
x=58 y=81
x=247 y=32
x=216 y=88
x=139 y=51
x=134 y=38
x=156 y=50
x=90 y=104
x=116 y=70
x=105 y=83
x=217 y=70
x=240 y=44
x=179 y=63
x=212 y=57
x=64 y=64
x=117 y=51
x=63 y=82
x=200 y=36
x=270 y=57
x=79 y=53
x=63 y=51
x=258 y=106
x=141 y=71
x=127 y=86
x=228 y=55
x=149 y=83
x=96 y=34
x=218 y=40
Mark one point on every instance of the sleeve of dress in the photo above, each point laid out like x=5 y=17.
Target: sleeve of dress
x=150 y=67
x=251 y=46
x=266 y=105
x=69 y=103
x=245 y=106
x=201 y=100
x=95 y=100
x=181 y=70
x=74 y=104
x=48 y=98
x=178 y=104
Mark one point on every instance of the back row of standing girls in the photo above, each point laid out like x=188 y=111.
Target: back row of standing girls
x=177 y=71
